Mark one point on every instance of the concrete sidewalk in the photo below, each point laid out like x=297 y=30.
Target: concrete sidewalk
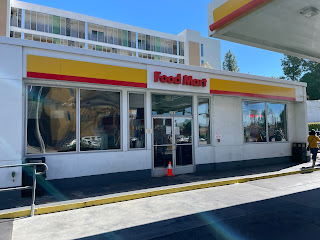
x=60 y=200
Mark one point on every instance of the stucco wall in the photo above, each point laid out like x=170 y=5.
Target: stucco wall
x=11 y=120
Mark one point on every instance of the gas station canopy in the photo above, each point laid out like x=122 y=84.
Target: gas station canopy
x=288 y=26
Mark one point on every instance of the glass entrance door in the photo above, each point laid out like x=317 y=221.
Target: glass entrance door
x=172 y=142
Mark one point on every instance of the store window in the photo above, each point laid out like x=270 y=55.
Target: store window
x=51 y=120
x=99 y=120
x=254 y=122
x=276 y=122
x=264 y=122
x=136 y=120
x=204 y=121
x=171 y=105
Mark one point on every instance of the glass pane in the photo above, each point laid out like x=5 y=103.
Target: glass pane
x=40 y=22
x=182 y=130
x=183 y=155
x=162 y=131
x=19 y=17
x=27 y=18
x=50 y=23
x=171 y=104
x=163 y=45
x=63 y=26
x=119 y=37
x=148 y=43
x=46 y=23
x=181 y=48
x=136 y=118
x=158 y=44
x=56 y=24
x=68 y=27
x=74 y=28
x=162 y=156
x=99 y=120
x=204 y=121
x=82 y=30
x=276 y=122
x=124 y=38
x=33 y=21
x=254 y=122
x=100 y=34
x=110 y=35
x=175 y=47
x=133 y=39
x=51 y=120
x=115 y=36
x=14 y=17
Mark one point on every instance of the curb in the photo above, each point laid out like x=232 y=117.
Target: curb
x=97 y=202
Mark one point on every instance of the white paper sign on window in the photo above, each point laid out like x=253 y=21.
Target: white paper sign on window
x=168 y=130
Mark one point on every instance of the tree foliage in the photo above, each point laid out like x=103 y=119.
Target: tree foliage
x=294 y=68
x=230 y=62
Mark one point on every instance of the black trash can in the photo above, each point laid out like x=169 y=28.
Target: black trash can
x=299 y=152
x=27 y=177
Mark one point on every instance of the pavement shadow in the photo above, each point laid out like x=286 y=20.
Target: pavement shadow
x=294 y=216
x=53 y=193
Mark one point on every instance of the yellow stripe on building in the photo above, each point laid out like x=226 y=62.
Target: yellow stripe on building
x=251 y=88
x=67 y=67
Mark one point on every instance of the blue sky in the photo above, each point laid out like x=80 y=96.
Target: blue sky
x=172 y=16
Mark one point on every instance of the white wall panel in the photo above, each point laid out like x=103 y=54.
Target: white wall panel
x=11 y=120
x=95 y=163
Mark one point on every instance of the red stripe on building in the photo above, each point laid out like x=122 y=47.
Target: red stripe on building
x=85 y=79
x=238 y=13
x=252 y=95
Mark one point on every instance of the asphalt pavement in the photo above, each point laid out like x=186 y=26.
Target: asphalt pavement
x=283 y=208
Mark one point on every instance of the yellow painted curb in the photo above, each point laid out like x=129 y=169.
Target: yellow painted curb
x=96 y=202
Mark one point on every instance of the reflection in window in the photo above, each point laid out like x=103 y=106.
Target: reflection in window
x=276 y=122
x=51 y=120
x=99 y=120
x=171 y=105
x=254 y=122
x=204 y=121
x=136 y=119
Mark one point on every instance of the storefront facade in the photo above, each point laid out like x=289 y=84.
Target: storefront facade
x=90 y=114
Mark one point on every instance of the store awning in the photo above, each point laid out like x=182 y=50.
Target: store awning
x=287 y=26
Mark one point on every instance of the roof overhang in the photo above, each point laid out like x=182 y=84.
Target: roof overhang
x=288 y=26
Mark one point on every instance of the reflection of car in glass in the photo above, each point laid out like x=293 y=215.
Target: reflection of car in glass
x=183 y=139
x=93 y=141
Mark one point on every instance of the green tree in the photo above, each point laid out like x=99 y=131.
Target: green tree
x=292 y=67
x=313 y=80
x=230 y=62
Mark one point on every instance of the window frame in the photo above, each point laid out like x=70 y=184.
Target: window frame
x=128 y=122
x=121 y=120
x=26 y=85
x=77 y=94
x=210 y=121
x=266 y=121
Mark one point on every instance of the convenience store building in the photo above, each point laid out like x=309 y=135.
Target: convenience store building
x=105 y=114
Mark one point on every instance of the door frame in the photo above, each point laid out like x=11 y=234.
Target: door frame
x=160 y=171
